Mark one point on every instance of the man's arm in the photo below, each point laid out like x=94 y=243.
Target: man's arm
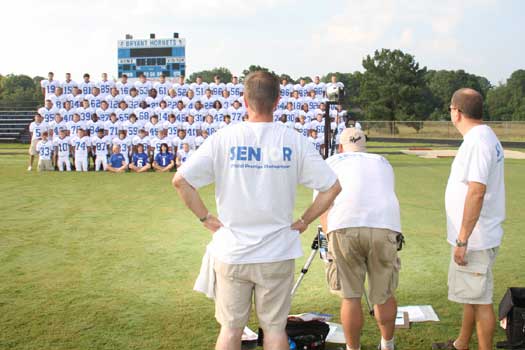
x=321 y=204
x=193 y=201
x=471 y=212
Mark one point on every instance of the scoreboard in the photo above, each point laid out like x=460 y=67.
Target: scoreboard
x=152 y=57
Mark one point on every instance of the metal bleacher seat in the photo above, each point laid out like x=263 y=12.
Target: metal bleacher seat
x=14 y=125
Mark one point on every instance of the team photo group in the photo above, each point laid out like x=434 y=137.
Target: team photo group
x=157 y=125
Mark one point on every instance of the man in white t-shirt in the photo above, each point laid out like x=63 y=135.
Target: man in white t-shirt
x=257 y=166
x=475 y=208
x=363 y=227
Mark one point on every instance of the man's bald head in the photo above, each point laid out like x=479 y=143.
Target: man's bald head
x=469 y=102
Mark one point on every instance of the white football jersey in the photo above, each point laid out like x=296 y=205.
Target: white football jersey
x=208 y=102
x=153 y=129
x=218 y=114
x=163 y=113
x=199 y=89
x=183 y=155
x=67 y=114
x=227 y=102
x=143 y=88
x=211 y=128
x=199 y=114
x=76 y=100
x=236 y=114
x=48 y=114
x=50 y=86
x=85 y=113
x=217 y=89
x=100 y=145
x=319 y=89
x=125 y=146
x=181 y=90
x=123 y=114
x=191 y=129
x=134 y=101
x=86 y=87
x=172 y=128
x=67 y=86
x=124 y=88
x=62 y=146
x=156 y=142
x=112 y=129
x=154 y=102
x=304 y=129
x=143 y=115
x=180 y=114
x=81 y=146
x=144 y=141
x=296 y=102
x=131 y=128
x=36 y=130
x=45 y=149
x=302 y=89
x=73 y=127
x=286 y=90
x=235 y=90
x=283 y=101
x=93 y=126
x=58 y=100
x=105 y=87
x=162 y=88
x=189 y=104
x=94 y=101
x=55 y=127
x=172 y=101
x=103 y=114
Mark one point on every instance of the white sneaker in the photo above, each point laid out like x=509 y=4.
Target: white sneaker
x=29 y=168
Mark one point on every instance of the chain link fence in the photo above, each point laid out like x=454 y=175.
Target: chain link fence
x=506 y=131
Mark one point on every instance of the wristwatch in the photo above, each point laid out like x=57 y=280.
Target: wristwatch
x=204 y=218
x=461 y=244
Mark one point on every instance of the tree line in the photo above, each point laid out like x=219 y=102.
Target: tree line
x=392 y=86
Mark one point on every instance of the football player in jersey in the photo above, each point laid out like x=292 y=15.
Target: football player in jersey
x=315 y=140
x=104 y=111
x=140 y=160
x=171 y=99
x=295 y=100
x=85 y=111
x=190 y=100
x=93 y=125
x=301 y=88
x=312 y=100
x=62 y=152
x=82 y=146
x=117 y=161
x=308 y=114
x=114 y=99
x=105 y=85
x=217 y=87
x=291 y=113
x=318 y=87
x=184 y=154
x=86 y=85
x=162 y=86
x=163 y=111
x=199 y=87
x=124 y=143
x=208 y=99
x=134 y=99
x=143 y=113
x=76 y=98
x=68 y=85
x=181 y=88
x=58 y=98
x=177 y=142
x=180 y=112
x=302 y=126
x=123 y=112
x=123 y=86
x=132 y=125
x=67 y=112
x=318 y=126
x=153 y=126
x=209 y=125
x=157 y=141
x=284 y=121
x=100 y=144
x=164 y=160
x=55 y=126
x=172 y=126
x=95 y=99
x=49 y=85
x=112 y=126
x=45 y=150
x=48 y=112
x=143 y=86
x=141 y=139
x=199 y=113
x=154 y=99
x=235 y=88
x=226 y=100
x=226 y=122
x=236 y=112
x=192 y=129
x=74 y=125
x=217 y=112
x=36 y=129
x=286 y=88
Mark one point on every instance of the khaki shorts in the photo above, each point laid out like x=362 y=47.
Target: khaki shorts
x=32 y=147
x=474 y=282
x=45 y=165
x=361 y=251
x=270 y=284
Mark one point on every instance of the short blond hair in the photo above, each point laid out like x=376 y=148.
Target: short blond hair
x=261 y=90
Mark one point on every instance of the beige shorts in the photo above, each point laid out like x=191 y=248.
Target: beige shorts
x=32 y=147
x=45 y=165
x=474 y=282
x=269 y=283
x=360 y=252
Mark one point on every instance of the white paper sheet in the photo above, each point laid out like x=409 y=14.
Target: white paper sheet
x=420 y=313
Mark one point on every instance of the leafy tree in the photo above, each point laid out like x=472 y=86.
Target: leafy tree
x=287 y=77
x=254 y=68
x=208 y=75
x=393 y=87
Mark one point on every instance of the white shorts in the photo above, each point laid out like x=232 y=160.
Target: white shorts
x=101 y=160
x=63 y=161
x=81 y=163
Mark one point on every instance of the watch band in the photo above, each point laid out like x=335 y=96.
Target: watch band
x=460 y=243
x=204 y=218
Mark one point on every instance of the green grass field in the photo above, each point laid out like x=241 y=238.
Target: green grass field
x=108 y=261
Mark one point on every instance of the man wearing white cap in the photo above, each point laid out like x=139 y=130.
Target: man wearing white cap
x=363 y=227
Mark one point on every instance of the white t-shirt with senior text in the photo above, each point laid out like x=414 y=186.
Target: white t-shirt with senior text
x=368 y=197
x=256 y=168
x=480 y=159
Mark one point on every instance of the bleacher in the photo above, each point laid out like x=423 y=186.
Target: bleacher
x=14 y=125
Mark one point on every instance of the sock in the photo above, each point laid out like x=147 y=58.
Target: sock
x=349 y=348
x=387 y=344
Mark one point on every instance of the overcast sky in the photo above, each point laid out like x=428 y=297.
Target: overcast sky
x=298 y=37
